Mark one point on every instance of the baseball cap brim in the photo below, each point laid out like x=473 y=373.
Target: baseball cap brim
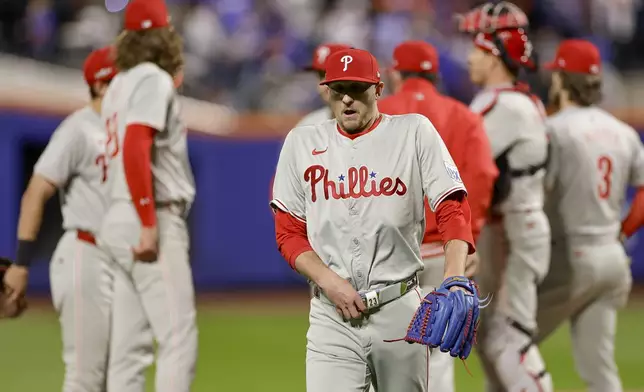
x=349 y=79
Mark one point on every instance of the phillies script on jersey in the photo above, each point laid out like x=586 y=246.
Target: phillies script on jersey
x=359 y=182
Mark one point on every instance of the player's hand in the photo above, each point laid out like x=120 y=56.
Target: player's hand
x=472 y=265
x=148 y=247
x=11 y=309
x=347 y=301
x=15 y=282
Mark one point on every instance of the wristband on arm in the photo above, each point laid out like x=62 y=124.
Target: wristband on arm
x=25 y=252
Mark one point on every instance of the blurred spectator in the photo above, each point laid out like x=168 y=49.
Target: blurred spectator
x=12 y=26
x=248 y=53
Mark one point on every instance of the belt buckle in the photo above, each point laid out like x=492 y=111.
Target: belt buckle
x=371 y=299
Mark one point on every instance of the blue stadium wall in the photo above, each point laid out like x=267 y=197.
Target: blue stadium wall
x=233 y=244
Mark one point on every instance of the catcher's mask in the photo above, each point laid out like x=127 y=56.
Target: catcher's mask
x=501 y=29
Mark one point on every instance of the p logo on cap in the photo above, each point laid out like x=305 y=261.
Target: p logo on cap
x=321 y=55
x=99 y=66
x=346 y=60
x=364 y=67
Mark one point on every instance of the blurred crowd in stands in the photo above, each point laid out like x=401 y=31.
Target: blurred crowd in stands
x=249 y=53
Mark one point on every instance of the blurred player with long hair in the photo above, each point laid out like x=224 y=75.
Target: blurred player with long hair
x=151 y=190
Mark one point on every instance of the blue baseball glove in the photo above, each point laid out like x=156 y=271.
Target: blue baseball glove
x=448 y=319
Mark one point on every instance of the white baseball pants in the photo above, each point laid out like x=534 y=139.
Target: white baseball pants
x=515 y=257
x=349 y=356
x=589 y=280
x=81 y=278
x=151 y=300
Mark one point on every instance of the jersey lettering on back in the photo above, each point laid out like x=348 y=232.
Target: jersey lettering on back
x=75 y=161
x=363 y=198
x=595 y=157
x=145 y=95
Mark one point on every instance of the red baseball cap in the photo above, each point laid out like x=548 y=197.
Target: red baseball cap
x=515 y=43
x=354 y=65
x=146 y=14
x=99 y=66
x=322 y=53
x=415 y=56
x=577 y=55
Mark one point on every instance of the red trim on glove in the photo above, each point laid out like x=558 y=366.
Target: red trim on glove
x=290 y=234
x=137 y=152
x=453 y=220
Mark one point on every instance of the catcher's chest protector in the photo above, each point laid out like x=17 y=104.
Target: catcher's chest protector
x=503 y=183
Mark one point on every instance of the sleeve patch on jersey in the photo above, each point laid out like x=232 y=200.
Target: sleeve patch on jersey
x=452 y=171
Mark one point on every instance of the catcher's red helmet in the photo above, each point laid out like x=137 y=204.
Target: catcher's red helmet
x=500 y=28
x=491 y=17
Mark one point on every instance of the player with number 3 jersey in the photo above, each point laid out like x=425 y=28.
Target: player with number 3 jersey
x=151 y=189
x=595 y=157
x=81 y=272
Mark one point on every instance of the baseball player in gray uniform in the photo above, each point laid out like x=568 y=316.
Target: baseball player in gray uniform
x=320 y=55
x=595 y=157
x=348 y=198
x=81 y=273
x=151 y=188
x=515 y=247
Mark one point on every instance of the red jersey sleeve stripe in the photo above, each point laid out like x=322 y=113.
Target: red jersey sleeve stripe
x=137 y=151
x=446 y=194
x=635 y=218
x=277 y=204
x=453 y=221
x=291 y=236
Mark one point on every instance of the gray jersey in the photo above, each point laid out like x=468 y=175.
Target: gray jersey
x=74 y=160
x=146 y=95
x=362 y=198
x=512 y=119
x=594 y=158
x=316 y=117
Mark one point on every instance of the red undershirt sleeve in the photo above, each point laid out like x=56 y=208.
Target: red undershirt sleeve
x=137 y=150
x=635 y=218
x=453 y=220
x=291 y=236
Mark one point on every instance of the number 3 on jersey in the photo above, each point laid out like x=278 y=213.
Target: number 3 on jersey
x=111 y=145
x=605 y=167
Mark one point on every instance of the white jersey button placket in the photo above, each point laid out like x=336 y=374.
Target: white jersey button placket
x=357 y=266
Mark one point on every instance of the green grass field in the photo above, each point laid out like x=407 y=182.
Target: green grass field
x=250 y=346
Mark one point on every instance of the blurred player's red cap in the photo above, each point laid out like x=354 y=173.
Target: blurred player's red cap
x=415 y=56
x=322 y=53
x=99 y=66
x=577 y=55
x=146 y=14
x=515 y=43
x=354 y=65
